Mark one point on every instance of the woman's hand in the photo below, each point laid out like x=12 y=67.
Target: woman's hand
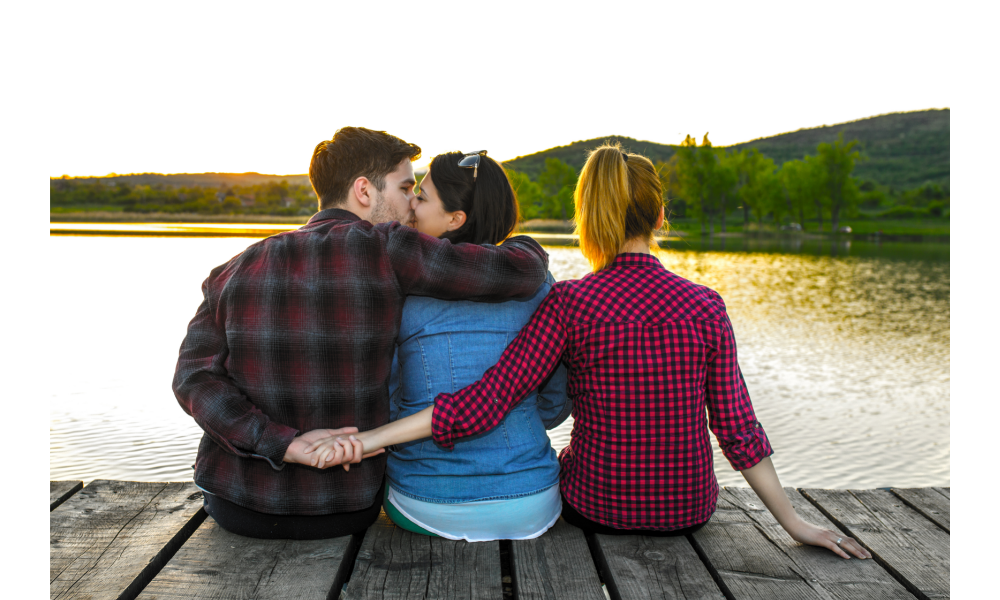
x=764 y=481
x=807 y=533
x=338 y=450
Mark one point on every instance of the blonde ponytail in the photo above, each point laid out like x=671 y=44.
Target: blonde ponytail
x=618 y=198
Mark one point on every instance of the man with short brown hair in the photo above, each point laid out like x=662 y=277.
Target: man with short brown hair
x=296 y=334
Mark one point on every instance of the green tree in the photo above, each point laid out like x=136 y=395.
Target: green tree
x=722 y=180
x=557 y=181
x=529 y=195
x=757 y=189
x=801 y=183
x=838 y=161
x=694 y=164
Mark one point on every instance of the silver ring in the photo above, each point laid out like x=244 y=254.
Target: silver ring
x=839 y=540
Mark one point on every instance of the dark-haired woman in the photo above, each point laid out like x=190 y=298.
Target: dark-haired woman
x=504 y=484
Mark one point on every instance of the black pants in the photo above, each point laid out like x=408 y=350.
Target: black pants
x=574 y=518
x=250 y=523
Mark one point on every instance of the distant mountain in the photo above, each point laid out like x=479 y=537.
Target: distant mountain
x=197 y=179
x=904 y=150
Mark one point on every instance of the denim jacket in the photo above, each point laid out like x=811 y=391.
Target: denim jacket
x=444 y=346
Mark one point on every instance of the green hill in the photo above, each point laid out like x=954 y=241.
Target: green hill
x=905 y=150
x=575 y=154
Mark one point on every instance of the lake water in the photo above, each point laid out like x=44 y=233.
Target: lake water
x=845 y=348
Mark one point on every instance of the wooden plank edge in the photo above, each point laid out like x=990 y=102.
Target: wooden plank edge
x=66 y=496
x=705 y=560
x=508 y=578
x=603 y=568
x=921 y=511
x=346 y=568
x=153 y=568
x=875 y=555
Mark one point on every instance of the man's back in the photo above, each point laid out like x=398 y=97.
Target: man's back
x=297 y=333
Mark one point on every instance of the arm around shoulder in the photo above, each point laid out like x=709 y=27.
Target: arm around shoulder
x=428 y=266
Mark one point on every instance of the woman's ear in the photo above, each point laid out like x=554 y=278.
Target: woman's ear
x=659 y=220
x=456 y=220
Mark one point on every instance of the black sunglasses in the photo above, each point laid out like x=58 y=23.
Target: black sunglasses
x=471 y=161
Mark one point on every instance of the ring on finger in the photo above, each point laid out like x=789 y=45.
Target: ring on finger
x=840 y=539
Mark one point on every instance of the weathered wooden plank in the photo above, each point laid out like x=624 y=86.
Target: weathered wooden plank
x=928 y=502
x=913 y=549
x=111 y=538
x=783 y=572
x=556 y=565
x=653 y=567
x=214 y=563
x=946 y=491
x=59 y=491
x=395 y=563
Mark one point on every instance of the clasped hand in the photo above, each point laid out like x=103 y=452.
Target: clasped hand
x=323 y=448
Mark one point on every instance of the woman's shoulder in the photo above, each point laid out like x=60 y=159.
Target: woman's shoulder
x=649 y=287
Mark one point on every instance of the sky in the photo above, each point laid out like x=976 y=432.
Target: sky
x=237 y=87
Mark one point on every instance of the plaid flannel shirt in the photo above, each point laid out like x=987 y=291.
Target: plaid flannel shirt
x=648 y=352
x=297 y=333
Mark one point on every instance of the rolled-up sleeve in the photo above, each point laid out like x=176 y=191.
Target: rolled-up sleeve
x=731 y=416
x=206 y=392
x=522 y=367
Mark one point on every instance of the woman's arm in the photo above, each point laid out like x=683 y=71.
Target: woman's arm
x=764 y=481
x=334 y=450
x=525 y=363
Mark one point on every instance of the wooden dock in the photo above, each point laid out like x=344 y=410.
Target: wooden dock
x=125 y=539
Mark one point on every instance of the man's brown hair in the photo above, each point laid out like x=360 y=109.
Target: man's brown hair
x=355 y=152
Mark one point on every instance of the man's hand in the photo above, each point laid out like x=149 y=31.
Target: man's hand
x=296 y=452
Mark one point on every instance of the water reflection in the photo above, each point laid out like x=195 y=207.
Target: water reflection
x=846 y=357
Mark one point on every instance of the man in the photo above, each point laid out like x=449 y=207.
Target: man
x=296 y=334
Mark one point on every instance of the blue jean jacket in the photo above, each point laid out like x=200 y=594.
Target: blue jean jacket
x=444 y=346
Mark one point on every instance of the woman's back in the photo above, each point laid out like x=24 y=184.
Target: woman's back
x=648 y=351
x=444 y=346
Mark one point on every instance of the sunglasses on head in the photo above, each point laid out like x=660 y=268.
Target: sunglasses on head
x=471 y=161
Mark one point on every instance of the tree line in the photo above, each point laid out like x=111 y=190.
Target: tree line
x=273 y=198
x=709 y=184
x=700 y=183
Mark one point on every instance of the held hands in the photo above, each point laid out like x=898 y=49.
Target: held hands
x=335 y=450
x=343 y=448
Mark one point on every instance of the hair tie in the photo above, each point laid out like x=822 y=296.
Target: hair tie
x=625 y=156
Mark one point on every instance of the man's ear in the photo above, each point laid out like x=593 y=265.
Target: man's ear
x=456 y=219
x=362 y=191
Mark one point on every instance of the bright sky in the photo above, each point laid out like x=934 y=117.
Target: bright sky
x=195 y=86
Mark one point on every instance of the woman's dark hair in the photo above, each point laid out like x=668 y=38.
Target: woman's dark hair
x=489 y=202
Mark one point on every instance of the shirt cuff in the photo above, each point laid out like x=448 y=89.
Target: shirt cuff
x=747 y=448
x=442 y=419
x=274 y=443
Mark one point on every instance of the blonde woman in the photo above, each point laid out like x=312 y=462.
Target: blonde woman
x=648 y=354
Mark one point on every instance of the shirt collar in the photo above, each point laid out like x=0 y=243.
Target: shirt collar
x=635 y=259
x=333 y=213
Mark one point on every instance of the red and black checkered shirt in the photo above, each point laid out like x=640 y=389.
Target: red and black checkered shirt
x=297 y=333
x=648 y=352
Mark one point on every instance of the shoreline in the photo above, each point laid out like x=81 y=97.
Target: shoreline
x=554 y=232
